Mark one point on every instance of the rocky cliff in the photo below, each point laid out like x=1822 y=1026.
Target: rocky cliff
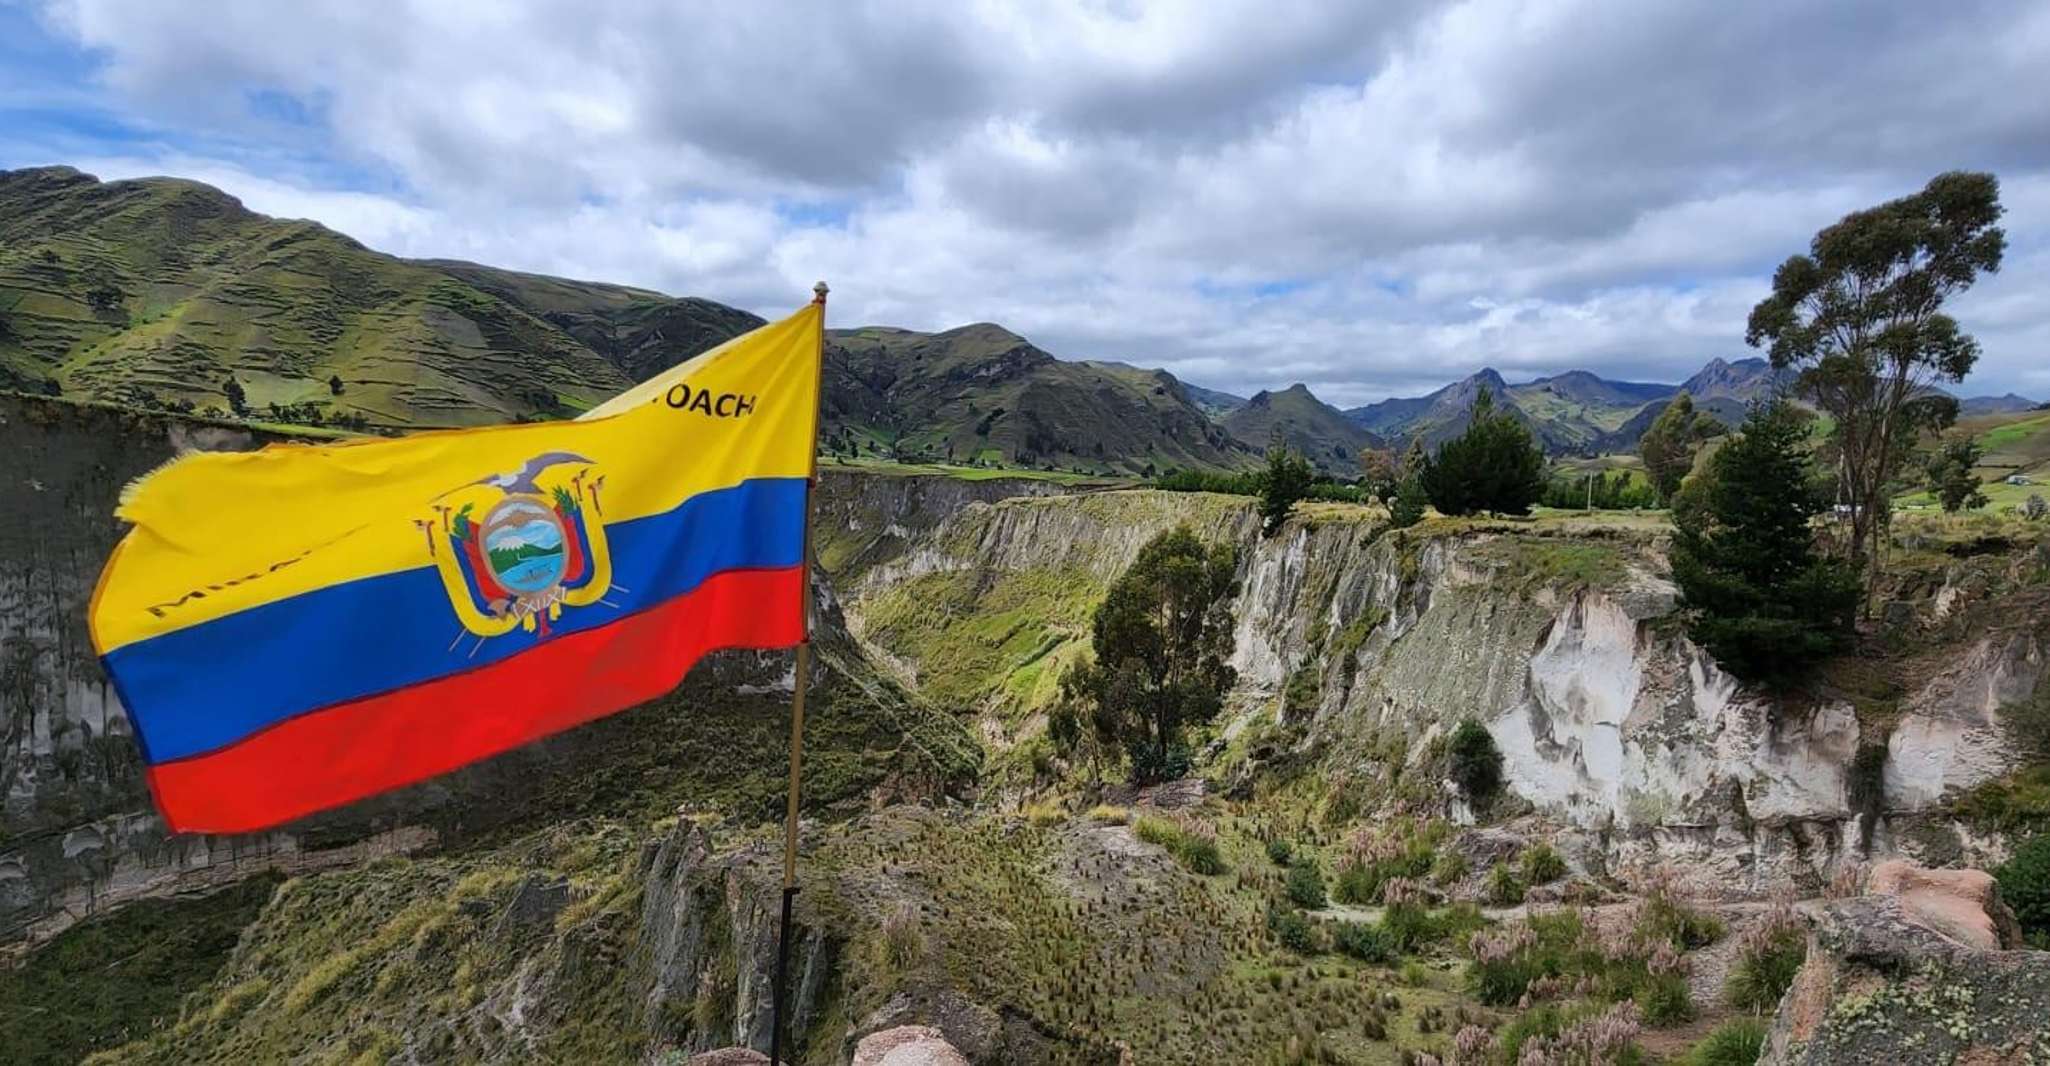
x=1560 y=636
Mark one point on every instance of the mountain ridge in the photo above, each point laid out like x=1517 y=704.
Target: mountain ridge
x=158 y=292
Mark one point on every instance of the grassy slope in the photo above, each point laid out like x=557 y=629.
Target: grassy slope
x=981 y=392
x=163 y=288
x=2014 y=443
x=114 y=979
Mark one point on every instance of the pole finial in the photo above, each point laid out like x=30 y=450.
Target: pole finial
x=818 y=293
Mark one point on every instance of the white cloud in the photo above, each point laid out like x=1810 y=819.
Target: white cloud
x=1367 y=197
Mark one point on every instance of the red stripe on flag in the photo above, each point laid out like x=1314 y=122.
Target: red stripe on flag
x=353 y=750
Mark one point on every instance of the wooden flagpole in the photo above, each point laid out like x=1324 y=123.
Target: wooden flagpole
x=781 y=992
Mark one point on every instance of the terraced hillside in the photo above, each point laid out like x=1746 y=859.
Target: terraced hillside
x=158 y=292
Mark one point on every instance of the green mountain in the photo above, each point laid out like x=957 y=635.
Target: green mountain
x=983 y=393
x=158 y=291
x=1331 y=441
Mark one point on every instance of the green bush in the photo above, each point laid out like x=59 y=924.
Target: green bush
x=1408 y=925
x=1765 y=968
x=1360 y=881
x=1476 y=763
x=1306 y=884
x=1504 y=888
x=1667 y=918
x=1663 y=999
x=1279 y=852
x=1449 y=868
x=1366 y=942
x=2025 y=885
x=1291 y=930
x=1737 y=1042
x=1542 y=865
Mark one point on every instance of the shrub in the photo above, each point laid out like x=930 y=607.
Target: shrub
x=1415 y=974
x=1291 y=930
x=1476 y=763
x=1542 y=865
x=1767 y=960
x=1449 y=868
x=1279 y=852
x=1737 y=1042
x=2025 y=885
x=1374 y=858
x=1663 y=999
x=1306 y=884
x=1192 y=843
x=1504 y=888
x=1366 y=942
x=1667 y=918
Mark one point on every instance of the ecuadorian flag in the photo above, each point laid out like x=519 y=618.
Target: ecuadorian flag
x=297 y=627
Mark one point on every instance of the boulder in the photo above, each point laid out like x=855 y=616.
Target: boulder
x=907 y=1045
x=1963 y=905
x=1884 y=984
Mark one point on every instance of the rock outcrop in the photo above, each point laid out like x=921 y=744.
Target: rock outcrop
x=1906 y=974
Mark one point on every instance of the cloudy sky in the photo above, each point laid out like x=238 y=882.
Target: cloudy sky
x=1372 y=198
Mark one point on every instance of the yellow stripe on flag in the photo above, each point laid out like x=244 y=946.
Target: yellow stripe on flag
x=221 y=532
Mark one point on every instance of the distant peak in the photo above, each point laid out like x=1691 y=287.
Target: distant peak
x=983 y=329
x=1298 y=389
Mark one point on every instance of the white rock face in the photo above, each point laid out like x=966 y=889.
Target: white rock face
x=1951 y=739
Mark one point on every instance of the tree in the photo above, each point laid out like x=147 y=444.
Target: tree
x=1377 y=473
x=1476 y=762
x=1949 y=477
x=1161 y=637
x=1759 y=597
x=334 y=384
x=1407 y=509
x=1287 y=480
x=1861 y=317
x=238 y=401
x=1494 y=466
x=1668 y=447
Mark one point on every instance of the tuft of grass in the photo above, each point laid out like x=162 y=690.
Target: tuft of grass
x=1542 y=865
x=1504 y=888
x=1737 y=1042
x=1045 y=813
x=1106 y=814
x=1192 y=843
x=1767 y=962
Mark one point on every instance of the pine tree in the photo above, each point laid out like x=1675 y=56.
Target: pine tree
x=1287 y=481
x=1494 y=466
x=1759 y=596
